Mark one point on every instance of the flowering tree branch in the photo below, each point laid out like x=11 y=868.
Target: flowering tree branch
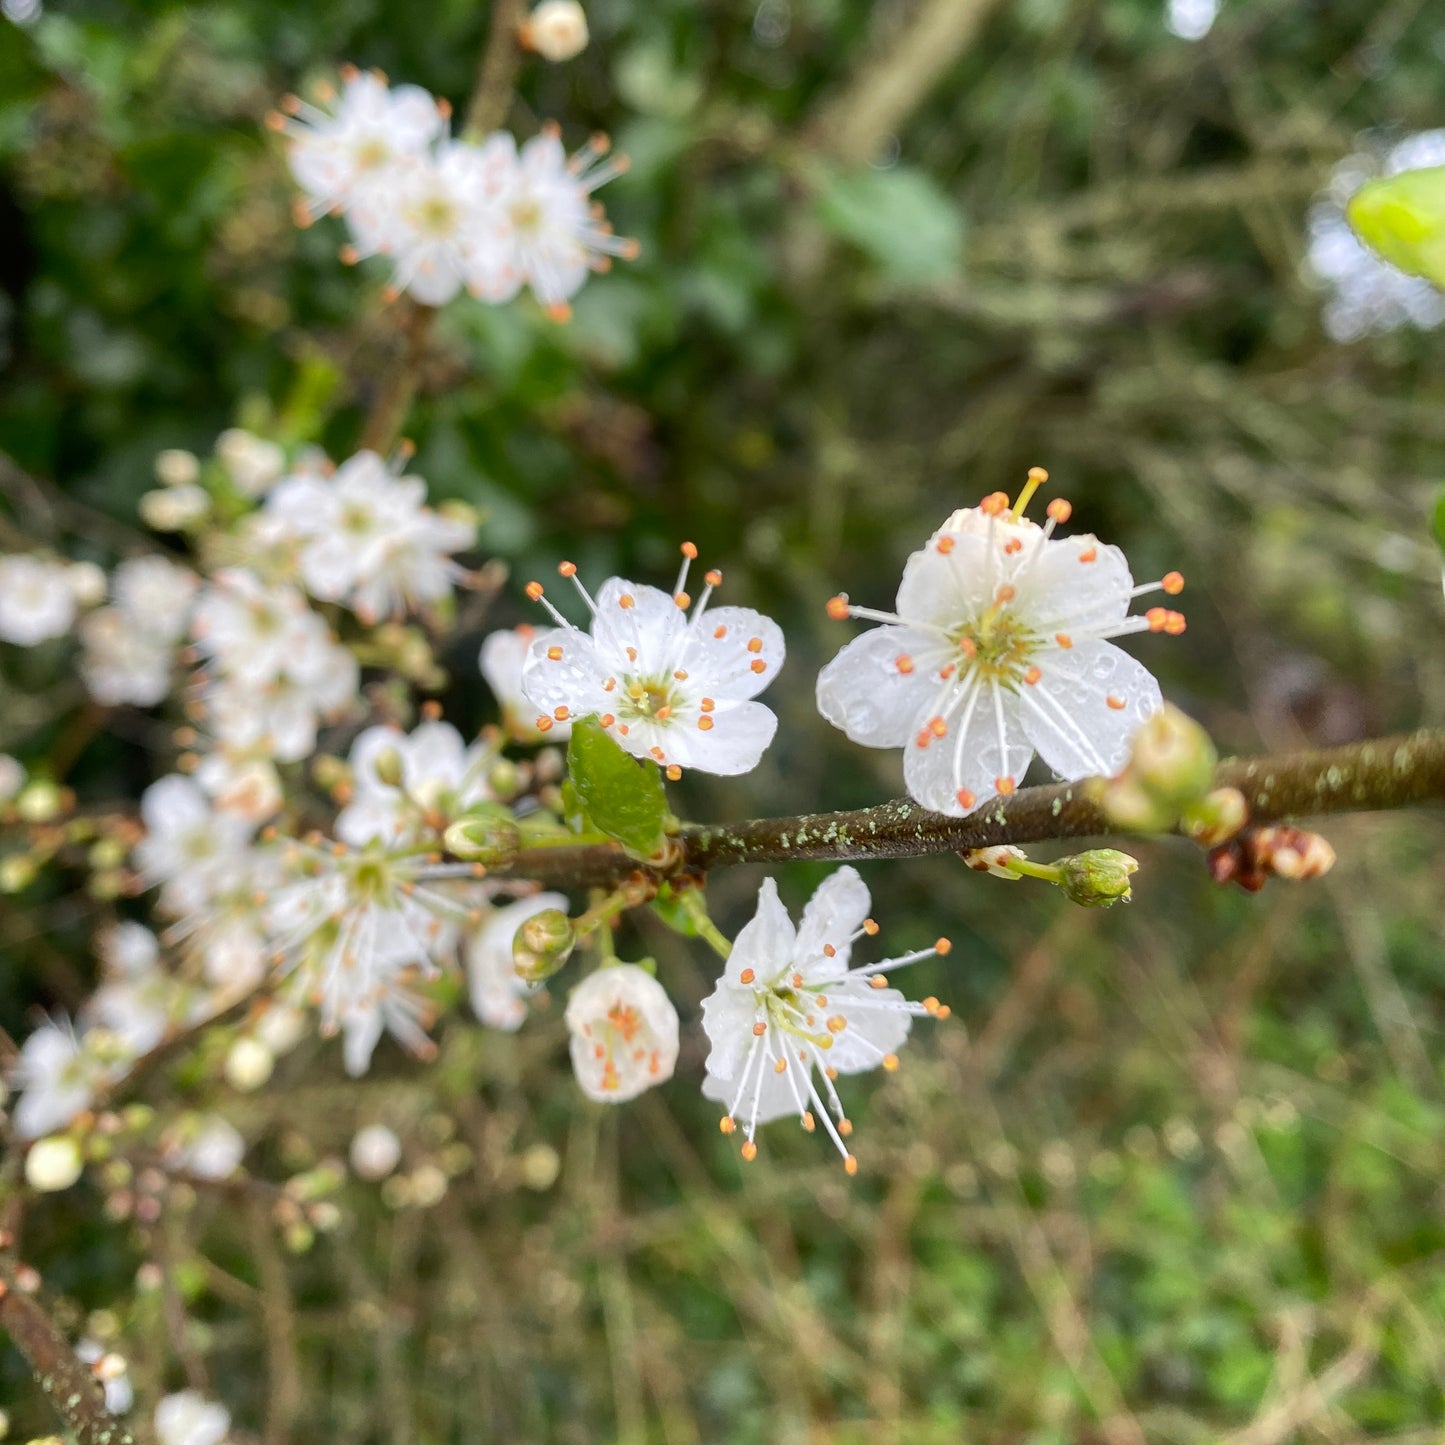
x=1382 y=773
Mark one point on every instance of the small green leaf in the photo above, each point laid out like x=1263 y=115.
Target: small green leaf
x=1403 y=219
x=623 y=797
x=899 y=218
x=671 y=909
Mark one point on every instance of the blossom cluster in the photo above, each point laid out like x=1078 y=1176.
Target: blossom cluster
x=450 y=214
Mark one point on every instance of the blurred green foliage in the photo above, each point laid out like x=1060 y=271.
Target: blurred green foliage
x=1173 y=1171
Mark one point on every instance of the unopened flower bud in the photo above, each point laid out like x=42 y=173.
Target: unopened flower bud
x=249 y=1065
x=173 y=509
x=488 y=836
x=53 y=1164
x=12 y=777
x=388 y=767
x=1172 y=757
x=40 y=801
x=375 y=1152
x=1098 y=878
x=17 y=872
x=1217 y=817
x=253 y=464
x=1294 y=853
x=177 y=468
x=87 y=583
x=543 y=944
x=1128 y=806
x=556 y=30
x=993 y=860
x=504 y=779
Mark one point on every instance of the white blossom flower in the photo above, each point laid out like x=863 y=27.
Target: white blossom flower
x=366 y=537
x=498 y=995
x=191 y=849
x=173 y=509
x=440 y=776
x=111 y=1371
x=788 y=1007
x=12 y=777
x=122 y=663
x=128 y=950
x=503 y=655
x=624 y=1033
x=252 y=463
x=249 y=787
x=375 y=1152
x=176 y=467
x=338 y=156
x=666 y=685
x=87 y=583
x=208 y=1146
x=1191 y=19
x=188 y=1418
x=58 y=1078
x=552 y=236
x=999 y=646
x=1367 y=295
x=155 y=594
x=556 y=30
x=36 y=601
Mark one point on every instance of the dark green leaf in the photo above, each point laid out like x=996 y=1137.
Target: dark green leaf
x=623 y=797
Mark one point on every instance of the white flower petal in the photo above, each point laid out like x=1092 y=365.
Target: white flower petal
x=862 y=691
x=834 y=914
x=983 y=743
x=733 y=650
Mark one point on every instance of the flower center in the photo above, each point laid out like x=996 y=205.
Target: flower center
x=996 y=645
x=371 y=154
x=526 y=215
x=625 y=1020
x=653 y=698
x=437 y=215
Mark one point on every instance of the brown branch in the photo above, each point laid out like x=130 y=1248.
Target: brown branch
x=1382 y=773
x=497 y=74
x=283 y=1378
x=73 y=1392
x=879 y=99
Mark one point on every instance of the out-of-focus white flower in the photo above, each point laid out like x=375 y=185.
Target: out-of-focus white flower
x=624 y=1033
x=498 y=995
x=1367 y=294
x=438 y=777
x=375 y=1152
x=209 y=1147
x=58 y=1079
x=249 y=1064
x=177 y=468
x=173 y=509
x=552 y=236
x=248 y=787
x=556 y=30
x=128 y=950
x=53 y=1164
x=188 y=1418
x=36 y=602
x=87 y=583
x=999 y=646
x=110 y=1370
x=666 y=685
x=1191 y=19
x=367 y=537
x=12 y=777
x=191 y=849
x=123 y=663
x=155 y=595
x=339 y=156
x=251 y=462
x=502 y=657
x=788 y=1007
x=280 y=1028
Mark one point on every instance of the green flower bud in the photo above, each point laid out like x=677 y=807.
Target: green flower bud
x=1173 y=758
x=17 y=873
x=389 y=767
x=1098 y=878
x=504 y=779
x=1217 y=817
x=543 y=944
x=1130 y=807
x=40 y=802
x=485 y=835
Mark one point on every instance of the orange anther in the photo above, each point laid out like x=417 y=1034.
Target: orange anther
x=781 y=1067
x=1032 y=676
x=965 y=798
x=750 y=1151
x=534 y=590
x=673 y=772
x=903 y=663
x=689 y=550
x=680 y=675
x=606 y=720
x=1013 y=545
x=720 y=632
x=758 y=665
x=704 y=723
x=937 y=726
x=946 y=545
x=544 y=724
x=1059 y=511
x=626 y=600
x=829 y=951
x=995 y=504
x=850 y=1165
x=923 y=739
x=870 y=926
x=1157 y=618
x=890 y=1062
x=808 y=1121
x=713 y=578
x=554 y=654
x=943 y=947
x=707 y=704
x=566 y=569
x=877 y=981
x=1117 y=703
x=1089 y=554
x=1175 y=624
x=726 y=1124
x=838 y=608
x=1064 y=640
x=663 y=713
x=1006 y=593
x=755 y=644
x=1173 y=583
x=683 y=600
x=560 y=713
x=759 y=1029
x=1004 y=785
x=746 y=976
x=657 y=753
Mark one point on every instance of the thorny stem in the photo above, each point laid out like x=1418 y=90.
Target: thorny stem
x=1382 y=773
x=487 y=109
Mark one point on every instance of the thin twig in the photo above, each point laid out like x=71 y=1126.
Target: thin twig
x=1382 y=773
